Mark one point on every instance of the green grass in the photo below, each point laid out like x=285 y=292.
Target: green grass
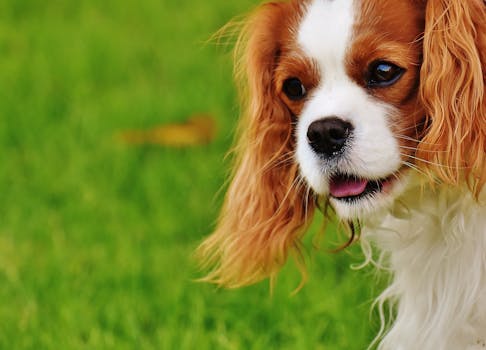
x=96 y=237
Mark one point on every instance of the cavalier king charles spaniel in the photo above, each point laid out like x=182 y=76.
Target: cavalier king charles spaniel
x=377 y=110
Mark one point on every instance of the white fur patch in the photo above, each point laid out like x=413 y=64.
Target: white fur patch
x=325 y=32
x=434 y=244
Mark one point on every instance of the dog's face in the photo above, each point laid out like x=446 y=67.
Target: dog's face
x=349 y=74
x=343 y=99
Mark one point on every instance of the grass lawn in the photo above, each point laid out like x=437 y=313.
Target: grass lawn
x=96 y=236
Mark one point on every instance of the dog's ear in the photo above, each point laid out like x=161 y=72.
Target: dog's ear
x=452 y=90
x=266 y=206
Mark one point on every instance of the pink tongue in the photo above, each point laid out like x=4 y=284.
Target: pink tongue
x=346 y=187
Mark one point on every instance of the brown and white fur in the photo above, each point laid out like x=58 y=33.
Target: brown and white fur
x=377 y=108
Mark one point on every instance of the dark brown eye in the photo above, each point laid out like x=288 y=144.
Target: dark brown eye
x=294 y=89
x=383 y=74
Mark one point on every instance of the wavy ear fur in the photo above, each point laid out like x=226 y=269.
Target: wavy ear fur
x=266 y=205
x=452 y=90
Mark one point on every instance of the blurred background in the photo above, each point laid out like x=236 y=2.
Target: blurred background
x=98 y=221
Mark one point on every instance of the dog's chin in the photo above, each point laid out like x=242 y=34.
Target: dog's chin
x=354 y=197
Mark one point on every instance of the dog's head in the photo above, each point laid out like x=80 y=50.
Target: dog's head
x=345 y=97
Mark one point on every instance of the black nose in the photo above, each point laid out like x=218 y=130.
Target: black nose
x=328 y=136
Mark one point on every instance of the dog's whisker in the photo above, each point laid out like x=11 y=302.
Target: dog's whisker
x=288 y=158
x=432 y=163
x=408 y=138
x=415 y=149
x=293 y=187
x=280 y=161
x=413 y=127
x=414 y=167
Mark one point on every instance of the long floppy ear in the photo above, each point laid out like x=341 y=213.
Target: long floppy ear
x=266 y=206
x=452 y=90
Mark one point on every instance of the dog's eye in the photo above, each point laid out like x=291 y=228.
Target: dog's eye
x=294 y=89
x=383 y=74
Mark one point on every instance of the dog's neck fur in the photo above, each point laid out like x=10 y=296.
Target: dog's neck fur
x=434 y=244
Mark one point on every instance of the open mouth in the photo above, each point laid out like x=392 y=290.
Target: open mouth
x=350 y=188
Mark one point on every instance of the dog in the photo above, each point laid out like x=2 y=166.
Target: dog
x=377 y=110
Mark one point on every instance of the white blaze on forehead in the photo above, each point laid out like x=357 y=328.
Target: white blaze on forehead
x=325 y=32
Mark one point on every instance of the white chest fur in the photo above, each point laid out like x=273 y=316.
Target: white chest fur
x=434 y=244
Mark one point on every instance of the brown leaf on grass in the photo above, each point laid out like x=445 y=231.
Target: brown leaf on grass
x=199 y=129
